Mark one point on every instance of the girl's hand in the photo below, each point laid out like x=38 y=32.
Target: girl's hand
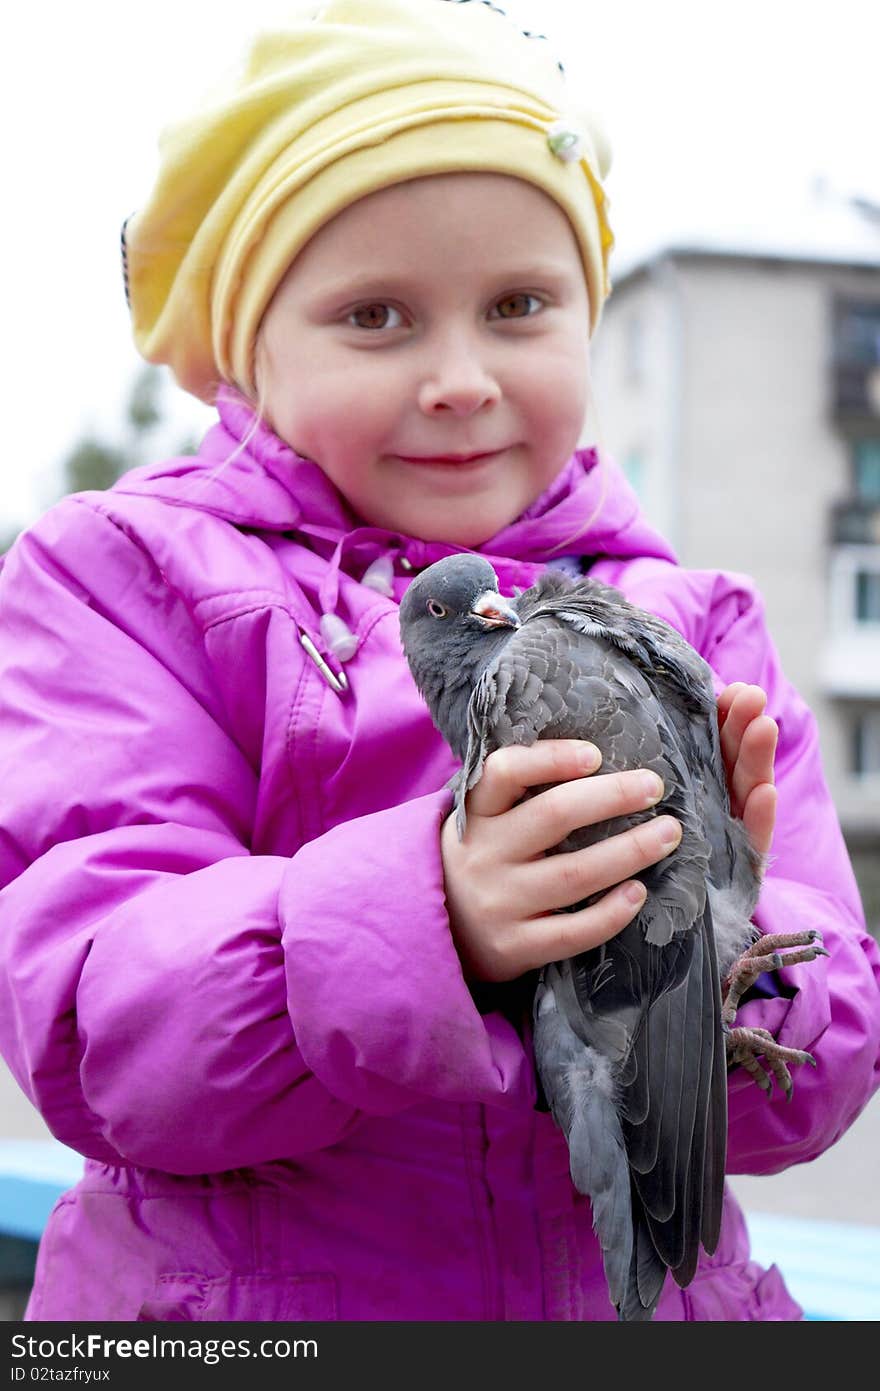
x=748 y=746
x=501 y=887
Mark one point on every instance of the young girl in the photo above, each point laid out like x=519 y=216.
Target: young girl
x=245 y=957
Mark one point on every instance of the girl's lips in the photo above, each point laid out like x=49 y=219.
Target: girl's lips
x=449 y=460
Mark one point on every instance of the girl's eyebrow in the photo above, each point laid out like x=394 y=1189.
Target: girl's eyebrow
x=357 y=286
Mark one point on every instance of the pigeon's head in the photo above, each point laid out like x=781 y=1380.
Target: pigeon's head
x=445 y=618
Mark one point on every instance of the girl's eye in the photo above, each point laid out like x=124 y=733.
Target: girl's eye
x=517 y=306
x=375 y=316
x=436 y=609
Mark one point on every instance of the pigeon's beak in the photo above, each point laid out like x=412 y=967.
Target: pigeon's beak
x=494 y=612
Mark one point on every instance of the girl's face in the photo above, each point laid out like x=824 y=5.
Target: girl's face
x=428 y=348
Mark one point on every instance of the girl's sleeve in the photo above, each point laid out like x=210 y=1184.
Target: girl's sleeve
x=830 y=1006
x=167 y=997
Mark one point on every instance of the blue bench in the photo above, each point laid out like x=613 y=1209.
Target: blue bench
x=831 y=1268
x=33 y=1175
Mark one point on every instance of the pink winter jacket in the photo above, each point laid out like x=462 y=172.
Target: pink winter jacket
x=226 y=971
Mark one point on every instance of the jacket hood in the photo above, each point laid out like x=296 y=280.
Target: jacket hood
x=245 y=474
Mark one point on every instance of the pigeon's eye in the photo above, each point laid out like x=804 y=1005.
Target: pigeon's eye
x=436 y=609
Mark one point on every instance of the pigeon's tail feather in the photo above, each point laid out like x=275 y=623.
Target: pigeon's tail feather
x=704 y=1195
x=579 y=1086
x=600 y=1171
x=681 y=1197
x=646 y=1278
x=715 y=1147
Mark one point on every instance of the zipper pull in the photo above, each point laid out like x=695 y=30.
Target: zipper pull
x=380 y=576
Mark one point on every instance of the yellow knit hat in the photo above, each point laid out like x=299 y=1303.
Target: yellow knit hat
x=357 y=96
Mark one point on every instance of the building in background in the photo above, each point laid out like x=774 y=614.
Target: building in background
x=738 y=385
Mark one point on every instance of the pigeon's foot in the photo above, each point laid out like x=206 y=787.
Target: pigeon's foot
x=745 y=1046
x=766 y=955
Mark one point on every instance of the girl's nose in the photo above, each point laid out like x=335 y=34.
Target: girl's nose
x=458 y=382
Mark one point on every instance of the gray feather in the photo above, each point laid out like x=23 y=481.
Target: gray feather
x=579 y=1085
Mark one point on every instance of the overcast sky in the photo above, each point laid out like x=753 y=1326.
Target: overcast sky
x=718 y=114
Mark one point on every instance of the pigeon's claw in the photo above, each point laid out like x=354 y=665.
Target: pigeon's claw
x=766 y=955
x=745 y=1046
x=781 y=940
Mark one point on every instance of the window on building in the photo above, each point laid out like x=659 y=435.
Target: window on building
x=867 y=595
x=866 y=744
x=855 y=589
x=858 y=333
x=866 y=469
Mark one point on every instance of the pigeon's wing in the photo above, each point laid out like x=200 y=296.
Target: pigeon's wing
x=681 y=1198
x=599 y=610
x=552 y=680
x=675 y=1115
x=651 y=1008
x=682 y=681
x=665 y=1004
x=678 y=1173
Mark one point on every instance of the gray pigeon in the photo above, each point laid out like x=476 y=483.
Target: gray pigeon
x=631 y=1040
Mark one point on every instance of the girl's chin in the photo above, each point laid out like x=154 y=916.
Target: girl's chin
x=451 y=527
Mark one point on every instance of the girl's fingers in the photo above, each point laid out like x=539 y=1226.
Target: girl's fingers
x=759 y=817
x=558 y=881
x=566 y=934
x=754 y=764
x=747 y=704
x=726 y=698
x=507 y=773
x=543 y=821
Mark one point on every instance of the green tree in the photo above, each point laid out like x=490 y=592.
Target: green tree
x=94 y=462
x=97 y=463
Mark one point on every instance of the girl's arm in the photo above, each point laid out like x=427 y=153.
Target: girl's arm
x=168 y=998
x=830 y=1006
